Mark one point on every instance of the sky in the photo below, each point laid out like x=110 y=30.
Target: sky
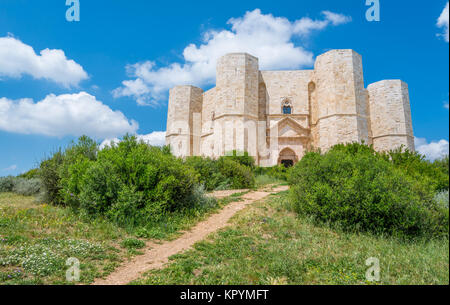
x=109 y=73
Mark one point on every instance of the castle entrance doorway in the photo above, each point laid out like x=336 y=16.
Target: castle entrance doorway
x=287 y=157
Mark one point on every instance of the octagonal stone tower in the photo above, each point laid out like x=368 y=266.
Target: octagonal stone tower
x=184 y=120
x=390 y=115
x=340 y=113
x=236 y=104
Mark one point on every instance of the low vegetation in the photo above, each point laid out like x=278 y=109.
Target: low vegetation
x=37 y=239
x=345 y=205
x=269 y=244
x=224 y=173
x=20 y=185
x=279 y=172
x=355 y=188
x=136 y=185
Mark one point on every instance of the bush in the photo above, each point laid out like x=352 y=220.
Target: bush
x=131 y=183
x=21 y=186
x=31 y=174
x=238 y=176
x=200 y=201
x=442 y=165
x=59 y=170
x=132 y=243
x=278 y=172
x=433 y=174
x=27 y=187
x=224 y=173
x=208 y=170
x=242 y=158
x=49 y=173
x=7 y=184
x=356 y=188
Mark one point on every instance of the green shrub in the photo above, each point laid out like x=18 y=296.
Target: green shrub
x=21 y=186
x=31 y=174
x=208 y=170
x=58 y=173
x=49 y=173
x=356 y=188
x=442 y=164
x=238 y=176
x=6 y=184
x=27 y=187
x=242 y=158
x=132 y=243
x=433 y=174
x=224 y=173
x=199 y=200
x=279 y=172
x=131 y=183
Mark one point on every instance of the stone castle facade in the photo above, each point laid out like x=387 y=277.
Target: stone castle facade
x=276 y=116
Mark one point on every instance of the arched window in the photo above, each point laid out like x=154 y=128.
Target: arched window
x=286 y=107
x=287 y=110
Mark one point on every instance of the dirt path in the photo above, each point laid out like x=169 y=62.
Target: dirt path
x=157 y=255
x=226 y=193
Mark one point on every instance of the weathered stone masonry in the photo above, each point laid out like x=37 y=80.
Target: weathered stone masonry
x=277 y=115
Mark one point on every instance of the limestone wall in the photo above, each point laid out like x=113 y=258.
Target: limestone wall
x=287 y=85
x=208 y=115
x=236 y=104
x=390 y=113
x=184 y=120
x=329 y=106
x=341 y=102
x=237 y=83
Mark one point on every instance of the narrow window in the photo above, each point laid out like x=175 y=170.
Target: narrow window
x=287 y=110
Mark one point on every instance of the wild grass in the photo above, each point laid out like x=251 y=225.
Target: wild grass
x=264 y=179
x=37 y=239
x=268 y=243
x=172 y=225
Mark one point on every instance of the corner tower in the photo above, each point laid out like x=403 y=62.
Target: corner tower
x=236 y=108
x=390 y=115
x=184 y=120
x=340 y=112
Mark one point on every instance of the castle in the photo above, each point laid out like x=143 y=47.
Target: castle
x=276 y=116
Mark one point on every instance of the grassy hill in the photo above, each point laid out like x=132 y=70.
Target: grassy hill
x=269 y=244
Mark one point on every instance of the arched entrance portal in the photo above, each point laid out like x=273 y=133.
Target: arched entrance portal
x=287 y=157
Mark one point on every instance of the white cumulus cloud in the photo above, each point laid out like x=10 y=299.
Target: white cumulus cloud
x=64 y=115
x=265 y=36
x=433 y=150
x=10 y=168
x=18 y=59
x=442 y=22
x=156 y=138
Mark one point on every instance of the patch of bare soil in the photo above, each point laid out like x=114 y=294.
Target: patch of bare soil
x=226 y=193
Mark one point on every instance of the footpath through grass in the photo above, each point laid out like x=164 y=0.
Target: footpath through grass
x=37 y=239
x=269 y=244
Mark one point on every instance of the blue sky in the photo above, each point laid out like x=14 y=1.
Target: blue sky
x=108 y=74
